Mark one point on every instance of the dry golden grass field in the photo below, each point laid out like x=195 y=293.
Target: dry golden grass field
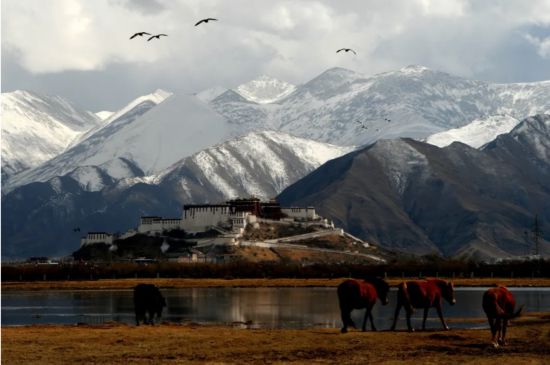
x=529 y=343
x=189 y=283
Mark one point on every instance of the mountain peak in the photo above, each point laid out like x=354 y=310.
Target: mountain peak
x=265 y=89
x=414 y=69
x=162 y=93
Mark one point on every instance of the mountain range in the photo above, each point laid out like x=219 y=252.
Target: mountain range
x=36 y=128
x=162 y=150
x=418 y=102
x=259 y=164
x=455 y=201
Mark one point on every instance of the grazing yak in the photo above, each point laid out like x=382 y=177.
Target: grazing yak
x=499 y=306
x=148 y=299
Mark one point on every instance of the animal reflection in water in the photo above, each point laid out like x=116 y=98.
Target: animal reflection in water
x=359 y=294
x=148 y=299
x=423 y=294
x=499 y=305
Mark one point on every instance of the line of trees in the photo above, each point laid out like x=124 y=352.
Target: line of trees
x=238 y=269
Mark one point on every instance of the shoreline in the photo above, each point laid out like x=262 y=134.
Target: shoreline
x=166 y=283
x=114 y=343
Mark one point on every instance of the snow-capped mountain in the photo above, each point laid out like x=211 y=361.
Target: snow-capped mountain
x=89 y=197
x=258 y=164
x=477 y=133
x=265 y=90
x=104 y=114
x=210 y=94
x=38 y=127
x=151 y=138
x=343 y=107
x=129 y=112
x=456 y=201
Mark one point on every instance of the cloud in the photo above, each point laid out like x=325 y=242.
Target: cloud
x=542 y=45
x=145 y=7
x=291 y=40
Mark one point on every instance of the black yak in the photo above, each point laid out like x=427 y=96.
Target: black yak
x=148 y=299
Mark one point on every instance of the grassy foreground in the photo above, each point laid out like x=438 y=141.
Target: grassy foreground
x=204 y=283
x=529 y=343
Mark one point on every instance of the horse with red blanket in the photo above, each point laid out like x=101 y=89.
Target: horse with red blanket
x=359 y=294
x=423 y=294
x=499 y=305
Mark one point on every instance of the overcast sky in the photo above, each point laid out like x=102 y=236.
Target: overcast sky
x=80 y=49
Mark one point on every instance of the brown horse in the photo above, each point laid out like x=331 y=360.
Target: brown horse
x=359 y=294
x=423 y=294
x=499 y=305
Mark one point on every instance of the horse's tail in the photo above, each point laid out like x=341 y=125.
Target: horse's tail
x=516 y=314
x=498 y=310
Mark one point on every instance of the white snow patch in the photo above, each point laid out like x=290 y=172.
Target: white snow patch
x=104 y=114
x=89 y=178
x=265 y=90
x=477 y=133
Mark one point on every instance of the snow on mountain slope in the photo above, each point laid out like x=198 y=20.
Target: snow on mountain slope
x=258 y=164
x=95 y=178
x=265 y=89
x=477 y=133
x=524 y=99
x=418 y=102
x=128 y=113
x=210 y=94
x=37 y=127
x=178 y=127
x=104 y=114
x=156 y=97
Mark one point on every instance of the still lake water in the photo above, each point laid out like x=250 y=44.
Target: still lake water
x=259 y=307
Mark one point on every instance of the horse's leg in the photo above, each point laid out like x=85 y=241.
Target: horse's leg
x=425 y=317
x=371 y=321
x=345 y=315
x=503 y=334
x=408 y=311
x=440 y=313
x=496 y=334
x=493 y=328
x=397 y=309
x=367 y=312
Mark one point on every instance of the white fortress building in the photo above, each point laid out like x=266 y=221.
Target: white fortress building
x=231 y=217
x=97 y=237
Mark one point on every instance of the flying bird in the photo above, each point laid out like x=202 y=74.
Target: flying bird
x=387 y=120
x=157 y=36
x=205 y=21
x=361 y=125
x=141 y=34
x=77 y=229
x=346 y=50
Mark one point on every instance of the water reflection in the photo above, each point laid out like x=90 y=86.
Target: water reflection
x=256 y=307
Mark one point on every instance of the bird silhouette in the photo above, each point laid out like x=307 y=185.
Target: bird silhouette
x=77 y=229
x=205 y=21
x=361 y=125
x=157 y=36
x=139 y=34
x=346 y=50
x=387 y=120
